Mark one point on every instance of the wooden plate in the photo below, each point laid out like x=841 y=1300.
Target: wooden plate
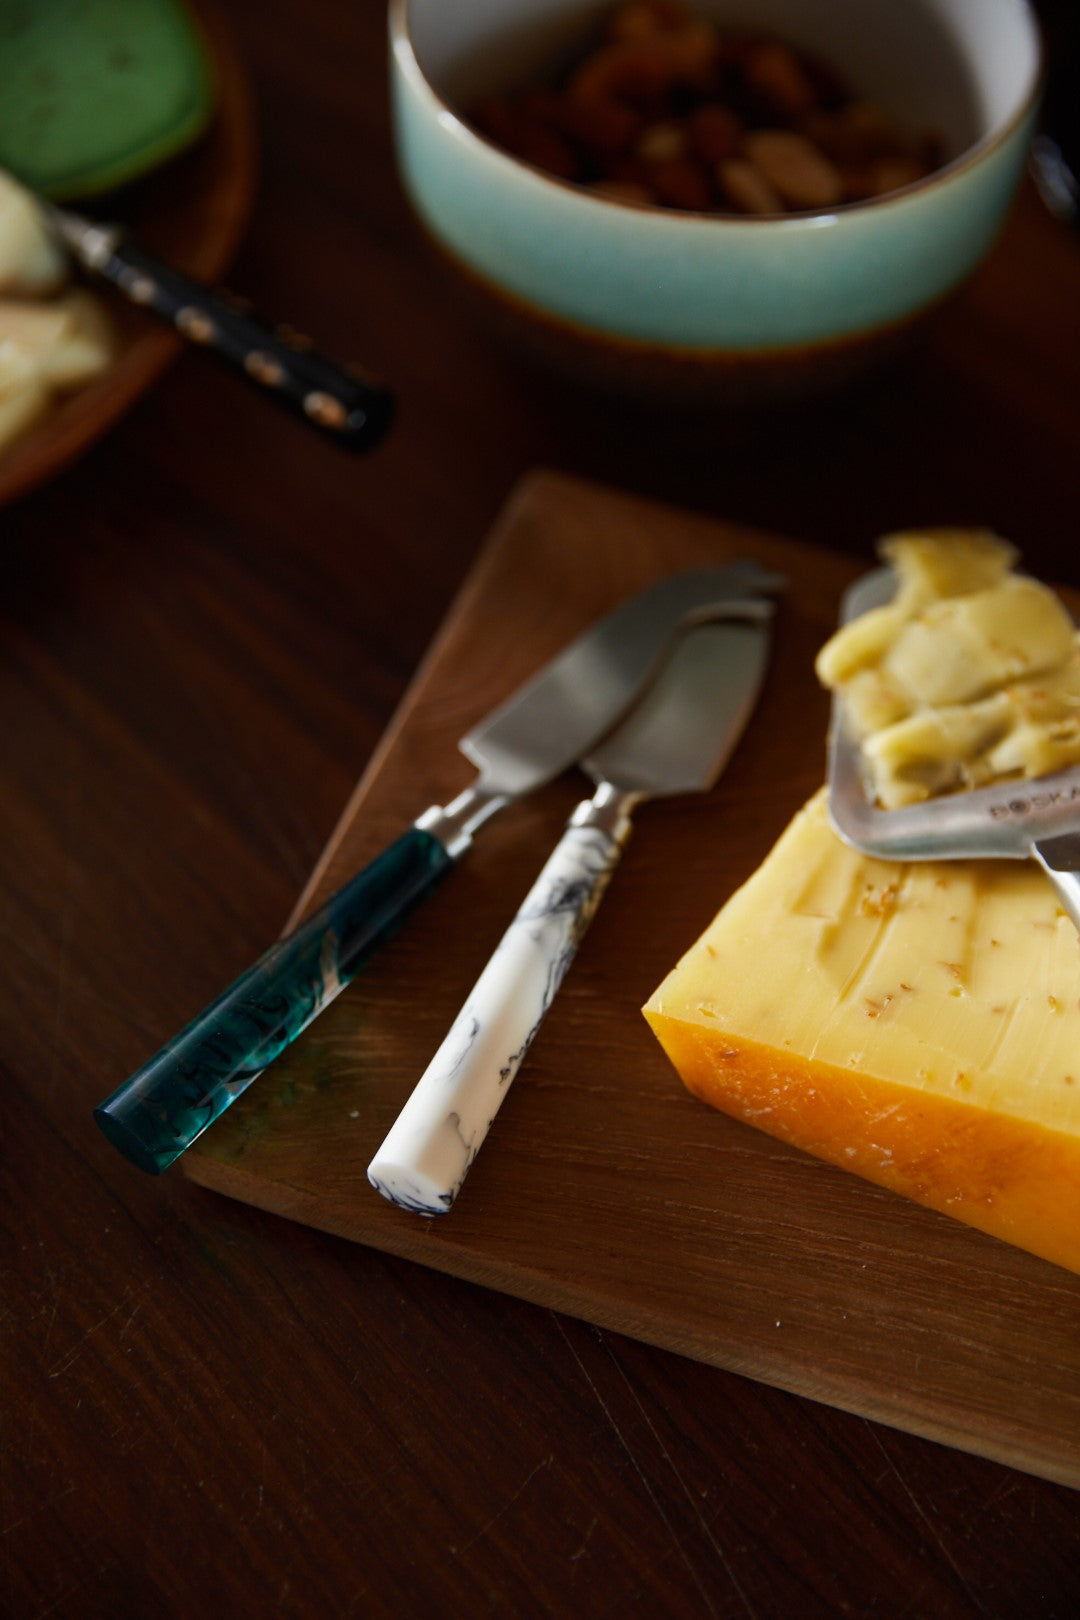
x=605 y=1190
x=192 y=213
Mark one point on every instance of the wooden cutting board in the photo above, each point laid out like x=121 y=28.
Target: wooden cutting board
x=605 y=1190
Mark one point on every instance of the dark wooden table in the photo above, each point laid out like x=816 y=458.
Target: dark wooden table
x=205 y=626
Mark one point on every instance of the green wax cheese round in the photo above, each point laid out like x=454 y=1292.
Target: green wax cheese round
x=95 y=92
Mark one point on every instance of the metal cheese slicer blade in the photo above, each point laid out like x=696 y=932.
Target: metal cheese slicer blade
x=1019 y=820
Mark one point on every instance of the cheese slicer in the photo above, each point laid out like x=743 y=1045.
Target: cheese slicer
x=1037 y=819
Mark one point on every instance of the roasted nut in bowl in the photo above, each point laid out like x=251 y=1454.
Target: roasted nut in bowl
x=684 y=303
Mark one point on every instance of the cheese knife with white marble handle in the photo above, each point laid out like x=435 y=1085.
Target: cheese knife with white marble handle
x=677 y=739
x=528 y=740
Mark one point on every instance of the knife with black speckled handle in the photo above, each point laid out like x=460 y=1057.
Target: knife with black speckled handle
x=344 y=403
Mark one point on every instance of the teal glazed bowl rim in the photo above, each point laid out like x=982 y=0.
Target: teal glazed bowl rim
x=691 y=284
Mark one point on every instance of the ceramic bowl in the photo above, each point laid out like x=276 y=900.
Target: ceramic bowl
x=736 y=308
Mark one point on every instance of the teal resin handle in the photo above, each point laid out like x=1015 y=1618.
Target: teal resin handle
x=172 y=1099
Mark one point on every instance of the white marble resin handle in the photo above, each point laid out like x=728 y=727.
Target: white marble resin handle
x=427 y=1153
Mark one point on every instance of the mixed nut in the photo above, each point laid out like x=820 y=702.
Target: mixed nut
x=670 y=109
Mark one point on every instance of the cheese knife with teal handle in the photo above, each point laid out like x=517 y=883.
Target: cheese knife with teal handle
x=531 y=738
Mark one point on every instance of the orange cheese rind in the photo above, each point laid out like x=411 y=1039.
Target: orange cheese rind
x=917 y=1024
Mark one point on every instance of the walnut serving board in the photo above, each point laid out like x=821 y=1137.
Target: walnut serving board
x=604 y=1189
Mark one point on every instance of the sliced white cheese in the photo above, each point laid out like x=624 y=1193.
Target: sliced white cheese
x=67 y=339
x=24 y=395
x=30 y=260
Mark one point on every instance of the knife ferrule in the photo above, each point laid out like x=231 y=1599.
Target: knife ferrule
x=454 y=824
x=608 y=810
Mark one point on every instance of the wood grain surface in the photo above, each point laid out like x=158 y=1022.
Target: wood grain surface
x=604 y=1190
x=207 y=624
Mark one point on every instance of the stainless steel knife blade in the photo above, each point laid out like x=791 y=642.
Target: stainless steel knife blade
x=546 y=725
x=682 y=733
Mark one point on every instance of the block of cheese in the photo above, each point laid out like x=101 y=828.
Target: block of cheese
x=918 y=1024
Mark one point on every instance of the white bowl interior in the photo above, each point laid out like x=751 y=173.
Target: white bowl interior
x=960 y=69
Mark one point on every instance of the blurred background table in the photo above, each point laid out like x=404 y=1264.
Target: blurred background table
x=205 y=625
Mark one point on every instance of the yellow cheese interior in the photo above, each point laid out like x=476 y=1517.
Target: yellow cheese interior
x=916 y=1023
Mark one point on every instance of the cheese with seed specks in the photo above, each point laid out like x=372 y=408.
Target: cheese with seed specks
x=916 y=1023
